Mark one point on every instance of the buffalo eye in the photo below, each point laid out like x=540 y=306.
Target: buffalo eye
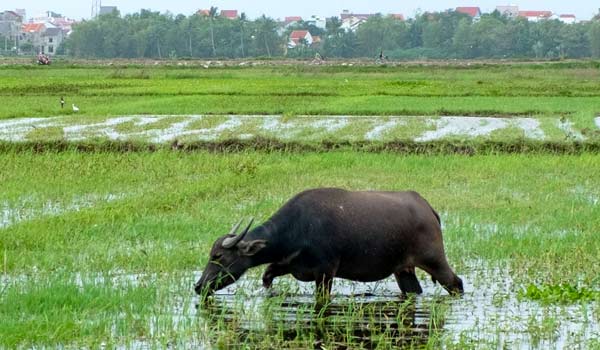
x=217 y=256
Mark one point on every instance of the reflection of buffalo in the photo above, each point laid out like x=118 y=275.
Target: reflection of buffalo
x=325 y=233
x=347 y=323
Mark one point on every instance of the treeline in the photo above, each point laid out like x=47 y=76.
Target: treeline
x=441 y=35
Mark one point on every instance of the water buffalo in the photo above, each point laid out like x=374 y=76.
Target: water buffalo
x=324 y=233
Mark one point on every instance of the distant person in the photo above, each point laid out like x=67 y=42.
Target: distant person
x=62 y=103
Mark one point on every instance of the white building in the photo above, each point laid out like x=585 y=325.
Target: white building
x=510 y=11
x=567 y=18
x=535 y=16
x=51 y=40
x=351 y=21
x=319 y=22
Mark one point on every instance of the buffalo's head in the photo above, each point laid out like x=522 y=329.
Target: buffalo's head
x=230 y=257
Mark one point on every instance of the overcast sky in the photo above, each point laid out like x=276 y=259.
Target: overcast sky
x=77 y=9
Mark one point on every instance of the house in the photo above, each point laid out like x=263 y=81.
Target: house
x=229 y=14
x=567 y=18
x=535 y=16
x=473 y=12
x=297 y=36
x=33 y=34
x=10 y=22
x=51 y=40
x=351 y=24
x=397 y=16
x=22 y=13
x=203 y=12
x=510 y=11
x=351 y=21
x=10 y=16
x=290 y=20
x=65 y=24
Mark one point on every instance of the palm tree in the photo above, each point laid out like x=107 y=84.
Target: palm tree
x=333 y=26
x=266 y=29
x=243 y=19
x=212 y=14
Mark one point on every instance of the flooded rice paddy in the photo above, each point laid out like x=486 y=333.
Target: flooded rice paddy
x=105 y=253
x=365 y=315
x=31 y=208
x=161 y=129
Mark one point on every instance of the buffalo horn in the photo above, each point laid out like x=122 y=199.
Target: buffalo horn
x=230 y=242
x=235 y=227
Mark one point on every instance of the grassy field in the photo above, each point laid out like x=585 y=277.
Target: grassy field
x=544 y=90
x=101 y=242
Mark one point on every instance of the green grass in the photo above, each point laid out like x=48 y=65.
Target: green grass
x=534 y=215
x=562 y=293
x=545 y=90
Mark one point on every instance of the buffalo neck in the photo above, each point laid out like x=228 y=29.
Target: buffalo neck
x=277 y=247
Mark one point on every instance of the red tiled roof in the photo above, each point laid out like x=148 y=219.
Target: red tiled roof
x=34 y=27
x=316 y=39
x=291 y=19
x=229 y=13
x=398 y=16
x=298 y=34
x=471 y=11
x=203 y=12
x=541 y=14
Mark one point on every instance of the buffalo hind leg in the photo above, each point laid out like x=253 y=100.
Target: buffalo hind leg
x=407 y=281
x=272 y=271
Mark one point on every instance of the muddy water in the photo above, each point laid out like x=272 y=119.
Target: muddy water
x=368 y=313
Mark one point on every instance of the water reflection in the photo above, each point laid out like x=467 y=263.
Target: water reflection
x=349 y=320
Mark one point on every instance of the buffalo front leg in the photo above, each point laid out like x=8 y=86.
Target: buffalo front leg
x=407 y=281
x=441 y=272
x=274 y=270
x=323 y=283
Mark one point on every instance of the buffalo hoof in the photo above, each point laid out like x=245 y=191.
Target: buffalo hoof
x=267 y=279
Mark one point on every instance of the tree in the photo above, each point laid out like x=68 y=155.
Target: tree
x=266 y=35
x=594 y=39
x=432 y=35
x=382 y=33
x=333 y=27
x=212 y=14
x=571 y=41
x=242 y=20
x=464 y=40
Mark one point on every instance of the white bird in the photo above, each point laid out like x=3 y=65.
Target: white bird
x=75 y=108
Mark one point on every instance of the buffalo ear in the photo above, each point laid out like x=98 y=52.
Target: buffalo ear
x=252 y=247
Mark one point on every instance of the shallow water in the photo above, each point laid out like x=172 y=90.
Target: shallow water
x=373 y=128
x=488 y=313
x=29 y=208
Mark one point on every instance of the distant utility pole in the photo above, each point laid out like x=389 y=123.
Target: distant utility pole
x=96 y=4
